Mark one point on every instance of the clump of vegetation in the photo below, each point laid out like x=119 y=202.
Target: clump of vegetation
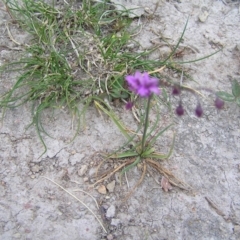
x=82 y=55
x=75 y=55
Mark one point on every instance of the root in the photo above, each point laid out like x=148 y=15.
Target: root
x=138 y=183
x=109 y=173
x=166 y=173
x=154 y=164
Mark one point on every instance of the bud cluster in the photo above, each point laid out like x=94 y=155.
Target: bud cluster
x=176 y=90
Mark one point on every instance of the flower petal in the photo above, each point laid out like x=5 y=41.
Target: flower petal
x=143 y=84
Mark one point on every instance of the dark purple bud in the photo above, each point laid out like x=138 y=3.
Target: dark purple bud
x=199 y=110
x=129 y=105
x=180 y=110
x=176 y=90
x=219 y=103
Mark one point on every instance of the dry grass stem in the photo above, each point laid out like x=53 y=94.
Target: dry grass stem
x=166 y=173
x=109 y=173
x=78 y=201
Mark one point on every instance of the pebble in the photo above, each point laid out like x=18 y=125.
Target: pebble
x=118 y=177
x=110 y=237
x=203 y=16
x=115 y=222
x=82 y=170
x=35 y=168
x=17 y=235
x=102 y=189
x=111 y=211
x=111 y=186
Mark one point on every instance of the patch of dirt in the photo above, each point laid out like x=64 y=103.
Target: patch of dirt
x=206 y=154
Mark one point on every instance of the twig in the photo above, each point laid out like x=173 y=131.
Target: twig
x=113 y=171
x=158 y=70
x=80 y=190
x=78 y=201
x=11 y=37
x=126 y=179
x=215 y=207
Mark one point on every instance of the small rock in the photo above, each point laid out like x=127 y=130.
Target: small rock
x=165 y=51
x=82 y=170
x=102 y=189
x=85 y=179
x=115 y=222
x=110 y=237
x=165 y=184
x=35 y=168
x=237 y=47
x=237 y=230
x=17 y=235
x=118 y=177
x=111 y=211
x=111 y=186
x=203 y=16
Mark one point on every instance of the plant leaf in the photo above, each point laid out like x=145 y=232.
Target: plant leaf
x=163 y=156
x=124 y=155
x=147 y=152
x=236 y=88
x=112 y=116
x=153 y=140
x=131 y=165
x=225 y=96
x=238 y=101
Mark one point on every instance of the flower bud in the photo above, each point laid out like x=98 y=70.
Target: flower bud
x=219 y=103
x=176 y=90
x=199 y=110
x=180 y=110
x=129 y=105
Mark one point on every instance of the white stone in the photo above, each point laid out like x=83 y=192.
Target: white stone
x=82 y=170
x=111 y=186
x=111 y=211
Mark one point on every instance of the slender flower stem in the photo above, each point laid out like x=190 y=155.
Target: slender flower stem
x=146 y=124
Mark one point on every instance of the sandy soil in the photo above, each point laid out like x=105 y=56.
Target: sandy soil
x=206 y=154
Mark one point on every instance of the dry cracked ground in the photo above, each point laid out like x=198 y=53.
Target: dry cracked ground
x=206 y=152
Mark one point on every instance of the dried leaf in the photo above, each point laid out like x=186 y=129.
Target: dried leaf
x=165 y=185
x=102 y=189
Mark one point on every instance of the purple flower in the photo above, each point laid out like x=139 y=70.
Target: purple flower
x=199 y=110
x=176 y=90
x=219 y=103
x=180 y=110
x=142 y=84
x=129 y=105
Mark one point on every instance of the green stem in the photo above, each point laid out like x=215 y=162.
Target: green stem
x=146 y=124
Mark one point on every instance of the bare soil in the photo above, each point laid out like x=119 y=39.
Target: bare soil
x=206 y=153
